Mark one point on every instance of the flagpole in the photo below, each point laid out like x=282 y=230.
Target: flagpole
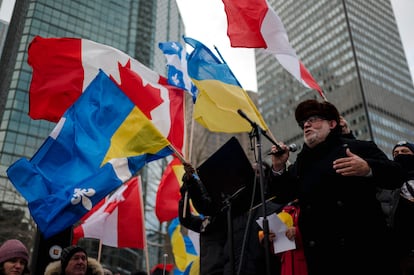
x=190 y=149
x=222 y=59
x=144 y=235
x=178 y=154
x=99 y=251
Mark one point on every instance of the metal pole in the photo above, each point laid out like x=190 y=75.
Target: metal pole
x=357 y=70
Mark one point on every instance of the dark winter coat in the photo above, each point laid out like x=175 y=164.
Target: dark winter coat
x=94 y=268
x=215 y=240
x=341 y=221
x=403 y=219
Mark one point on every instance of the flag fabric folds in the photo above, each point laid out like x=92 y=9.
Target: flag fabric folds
x=101 y=141
x=168 y=194
x=220 y=94
x=64 y=67
x=261 y=27
x=176 y=56
x=117 y=220
x=161 y=103
x=183 y=248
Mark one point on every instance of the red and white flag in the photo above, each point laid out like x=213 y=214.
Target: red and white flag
x=118 y=220
x=168 y=194
x=254 y=24
x=64 y=67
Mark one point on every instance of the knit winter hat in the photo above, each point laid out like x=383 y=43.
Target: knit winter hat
x=404 y=144
x=67 y=253
x=13 y=249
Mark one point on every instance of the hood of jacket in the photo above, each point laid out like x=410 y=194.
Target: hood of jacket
x=94 y=268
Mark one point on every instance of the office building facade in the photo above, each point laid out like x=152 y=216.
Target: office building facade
x=354 y=51
x=134 y=27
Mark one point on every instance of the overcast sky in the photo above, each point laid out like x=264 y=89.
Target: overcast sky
x=205 y=20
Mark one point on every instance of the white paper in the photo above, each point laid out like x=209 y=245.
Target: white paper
x=281 y=242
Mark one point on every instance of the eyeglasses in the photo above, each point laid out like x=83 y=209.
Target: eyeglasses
x=311 y=119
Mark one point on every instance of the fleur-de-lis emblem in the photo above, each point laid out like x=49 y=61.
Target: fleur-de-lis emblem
x=175 y=46
x=82 y=195
x=175 y=79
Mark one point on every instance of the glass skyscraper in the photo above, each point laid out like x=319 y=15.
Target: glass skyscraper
x=354 y=51
x=132 y=26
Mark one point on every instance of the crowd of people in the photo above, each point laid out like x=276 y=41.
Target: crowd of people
x=74 y=260
x=350 y=211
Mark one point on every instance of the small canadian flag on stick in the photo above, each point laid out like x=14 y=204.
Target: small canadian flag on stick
x=118 y=220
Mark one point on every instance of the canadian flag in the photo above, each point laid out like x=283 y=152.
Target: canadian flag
x=64 y=67
x=254 y=24
x=118 y=220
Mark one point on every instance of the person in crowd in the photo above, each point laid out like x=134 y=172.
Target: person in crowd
x=74 y=261
x=212 y=226
x=403 y=153
x=335 y=180
x=292 y=262
x=14 y=258
x=345 y=129
x=107 y=271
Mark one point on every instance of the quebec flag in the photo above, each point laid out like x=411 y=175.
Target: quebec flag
x=176 y=56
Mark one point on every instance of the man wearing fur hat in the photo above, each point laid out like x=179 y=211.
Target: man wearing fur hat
x=335 y=179
x=14 y=258
x=74 y=261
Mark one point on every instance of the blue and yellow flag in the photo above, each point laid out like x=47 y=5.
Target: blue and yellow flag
x=220 y=94
x=185 y=254
x=101 y=141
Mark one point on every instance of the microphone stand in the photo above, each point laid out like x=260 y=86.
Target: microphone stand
x=256 y=133
x=227 y=200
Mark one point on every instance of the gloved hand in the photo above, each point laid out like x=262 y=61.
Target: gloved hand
x=189 y=171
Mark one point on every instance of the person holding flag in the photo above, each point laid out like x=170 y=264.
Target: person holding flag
x=215 y=255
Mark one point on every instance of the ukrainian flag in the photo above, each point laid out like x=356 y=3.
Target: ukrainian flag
x=185 y=255
x=220 y=94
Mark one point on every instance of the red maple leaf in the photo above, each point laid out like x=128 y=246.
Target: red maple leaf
x=146 y=98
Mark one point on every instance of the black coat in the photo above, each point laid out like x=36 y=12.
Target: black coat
x=215 y=242
x=403 y=219
x=341 y=221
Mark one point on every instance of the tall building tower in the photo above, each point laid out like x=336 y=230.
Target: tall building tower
x=132 y=26
x=354 y=51
x=3 y=29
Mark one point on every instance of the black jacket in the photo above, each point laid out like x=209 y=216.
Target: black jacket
x=341 y=221
x=403 y=219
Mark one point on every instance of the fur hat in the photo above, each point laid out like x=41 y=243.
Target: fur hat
x=67 y=253
x=13 y=249
x=404 y=144
x=312 y=107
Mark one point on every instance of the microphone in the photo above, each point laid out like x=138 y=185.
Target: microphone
x=292 y=148
x=243 y=115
